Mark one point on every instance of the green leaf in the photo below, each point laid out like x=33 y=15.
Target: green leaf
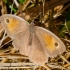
x=12 y=8
x=5 y=1
x=21 y=1
x=64 y=28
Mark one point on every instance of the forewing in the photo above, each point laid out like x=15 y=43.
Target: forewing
x=52 y=44
x=13 y=24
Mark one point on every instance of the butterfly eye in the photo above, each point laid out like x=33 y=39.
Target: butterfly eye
x=7 y=20
x=56 y=44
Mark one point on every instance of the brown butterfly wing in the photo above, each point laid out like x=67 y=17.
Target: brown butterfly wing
x=21 y=42
x=13 y=24
x=52 y=44
x=37 y=53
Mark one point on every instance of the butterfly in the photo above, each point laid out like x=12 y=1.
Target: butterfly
x=35 y=42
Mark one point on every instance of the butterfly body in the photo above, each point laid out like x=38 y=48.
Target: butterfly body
x=35 y=42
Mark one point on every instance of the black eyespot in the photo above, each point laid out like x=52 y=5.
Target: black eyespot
x=7 y=20
x=56 y=44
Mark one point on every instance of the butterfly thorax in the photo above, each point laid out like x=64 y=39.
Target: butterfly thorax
x=31 y=28
x=32 y=31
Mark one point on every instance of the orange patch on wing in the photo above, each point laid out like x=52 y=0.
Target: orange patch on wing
x=13 y=24
x=49 y=42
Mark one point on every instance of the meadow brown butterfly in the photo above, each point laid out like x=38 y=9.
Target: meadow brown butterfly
x=35 y=42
